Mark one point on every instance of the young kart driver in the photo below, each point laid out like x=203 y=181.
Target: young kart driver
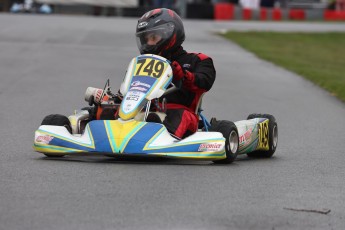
x=161 y=32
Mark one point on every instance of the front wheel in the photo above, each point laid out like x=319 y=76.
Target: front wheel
x=272 y=136
x=57 y=120
x=230 y=133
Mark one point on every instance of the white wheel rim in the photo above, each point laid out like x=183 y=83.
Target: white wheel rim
x=233 y=141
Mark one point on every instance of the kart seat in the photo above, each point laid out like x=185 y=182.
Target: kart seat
x=198 y=106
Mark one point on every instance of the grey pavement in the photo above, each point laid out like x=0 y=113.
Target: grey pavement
x=47 y=62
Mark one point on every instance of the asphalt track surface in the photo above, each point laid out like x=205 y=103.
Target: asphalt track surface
x=47 y=62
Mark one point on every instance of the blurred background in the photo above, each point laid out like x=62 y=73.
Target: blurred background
x=194 y=9
x=48 y=60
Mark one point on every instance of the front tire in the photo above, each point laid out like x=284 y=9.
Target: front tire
x=57 y=120
x=230 y=133
x=273 y=136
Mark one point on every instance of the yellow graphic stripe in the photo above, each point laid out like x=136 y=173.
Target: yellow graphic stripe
x=92 y=145
x=193 y=155
x=127 y=116
x=54 y=149
x=119 y=133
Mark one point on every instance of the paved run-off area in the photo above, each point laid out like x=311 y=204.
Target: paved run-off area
x=47 y=62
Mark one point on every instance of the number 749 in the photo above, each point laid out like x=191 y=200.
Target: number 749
x=152 y=68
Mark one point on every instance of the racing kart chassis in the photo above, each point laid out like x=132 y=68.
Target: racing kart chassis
x=131 y=134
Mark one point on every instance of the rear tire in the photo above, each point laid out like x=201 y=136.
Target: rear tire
x=273 y=136
x=230 y=133
x=57 y=120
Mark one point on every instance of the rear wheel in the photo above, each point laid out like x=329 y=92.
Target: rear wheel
x=57 y=120
x=230 y=133
x=272 y=135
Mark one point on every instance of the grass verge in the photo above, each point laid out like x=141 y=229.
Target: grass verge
x=319 y=57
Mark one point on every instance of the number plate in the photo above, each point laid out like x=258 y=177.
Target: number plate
x=150 y=67
x=263 y=143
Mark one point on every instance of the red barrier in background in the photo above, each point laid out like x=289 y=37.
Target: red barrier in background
x=224 y=11
x=263 y=14
x=297 y=14
x=246 y=14
x=276 y=14
x=332 y=15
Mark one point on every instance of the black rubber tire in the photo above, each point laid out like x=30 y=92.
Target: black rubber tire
x=229 y=131
x=58 y=120
x=51 y=155
x=273 y=136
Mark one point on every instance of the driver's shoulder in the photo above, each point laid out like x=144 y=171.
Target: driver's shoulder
x=190 y=60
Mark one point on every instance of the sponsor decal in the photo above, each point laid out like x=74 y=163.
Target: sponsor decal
x=97 y=95
x=44 y=139
x=207 y=147
x=139 y=88
x=142 y=24
x=132 y=98
x=138 y=83
x=186 y=66
x=135 y=93
x=246 y=136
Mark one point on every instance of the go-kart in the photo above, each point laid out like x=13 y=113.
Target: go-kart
x=147 y=80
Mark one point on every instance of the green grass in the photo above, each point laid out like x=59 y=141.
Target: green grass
x=319 y=57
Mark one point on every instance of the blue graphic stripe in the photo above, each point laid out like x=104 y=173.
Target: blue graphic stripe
x=167 y=83
x=143 y=79
x=97 y=132
x=139 y=140
x=182 y=148
x=125 y=140
x=64 y=143
x=144 y=135
x=100 y=136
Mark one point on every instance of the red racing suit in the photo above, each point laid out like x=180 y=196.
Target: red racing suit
x=181 y=119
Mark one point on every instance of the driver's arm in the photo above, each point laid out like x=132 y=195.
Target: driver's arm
x=201 y=79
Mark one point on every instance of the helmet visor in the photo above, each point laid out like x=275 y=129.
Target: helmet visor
x=151 y=40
